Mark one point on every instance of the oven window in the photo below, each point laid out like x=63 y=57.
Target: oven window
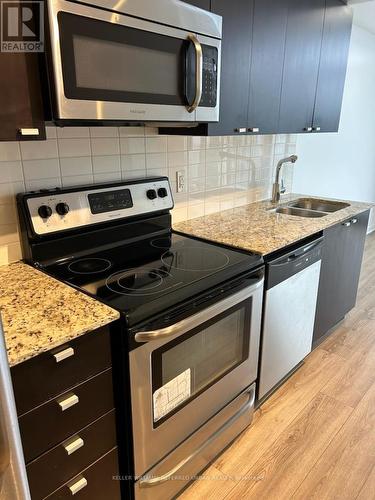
x=110 y=62
x=184 y=368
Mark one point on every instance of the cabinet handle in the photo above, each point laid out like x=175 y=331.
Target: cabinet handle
x=308 y=129
x=73 y=444
x=347 y=224
x=254 y=129
x=28 y=131
x=65 y=353
x=316 y=129
x=77 y=485
x=354 y=221
x=67 y=401
x=241 y=130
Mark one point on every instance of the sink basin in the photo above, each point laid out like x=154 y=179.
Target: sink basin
x=299 y=212
x=318 y=205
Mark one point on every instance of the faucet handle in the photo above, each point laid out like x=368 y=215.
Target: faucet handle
x=282 y=187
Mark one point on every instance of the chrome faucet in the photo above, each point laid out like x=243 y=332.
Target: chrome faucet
x=276 y=185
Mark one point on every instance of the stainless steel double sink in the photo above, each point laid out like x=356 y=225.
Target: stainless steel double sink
x=310 y=207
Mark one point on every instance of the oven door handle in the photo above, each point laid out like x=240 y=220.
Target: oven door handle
x=198 y=73
x=155 y=481
x=191 y=322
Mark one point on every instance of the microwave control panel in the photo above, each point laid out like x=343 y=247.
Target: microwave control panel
x=209 y=80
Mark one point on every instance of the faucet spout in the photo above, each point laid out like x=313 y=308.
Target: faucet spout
x=276 y=184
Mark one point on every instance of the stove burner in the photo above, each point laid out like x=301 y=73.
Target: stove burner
x=195 y=259
x=90 y=265
x=162 y=242
x=141 y=281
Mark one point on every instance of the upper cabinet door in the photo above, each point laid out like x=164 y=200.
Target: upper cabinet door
x=333 y=63
x=236 y=56
x=21 y=106
x=269 y=32
x=301 y=66
x=202 y=4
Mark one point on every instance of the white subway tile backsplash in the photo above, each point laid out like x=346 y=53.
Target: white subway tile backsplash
x=107 y=177
x=10 y=171
x=101 y=146
x=105 y=164
x=132 y=145
x=72 y=132
x=133 y=162
x=35 y=184
x=76 y=165
x=157 y=144
x=177 y=143
x=220 y=172
x=41 y=169
x=38 y=150
x=9 y=151
x=156 y=160
x=104 y=132
x=77 y=180
x=74 y=147
x=177 y=158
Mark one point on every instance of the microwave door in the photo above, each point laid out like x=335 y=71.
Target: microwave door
x=108 y=66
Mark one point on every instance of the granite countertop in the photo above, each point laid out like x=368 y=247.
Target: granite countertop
x=40 y=313
x=253 y=227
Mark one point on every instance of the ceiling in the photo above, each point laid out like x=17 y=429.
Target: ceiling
x=364 y=14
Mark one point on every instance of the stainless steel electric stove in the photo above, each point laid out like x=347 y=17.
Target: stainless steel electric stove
x=187 y=344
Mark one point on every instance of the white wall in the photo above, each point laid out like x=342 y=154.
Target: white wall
x=343 y=165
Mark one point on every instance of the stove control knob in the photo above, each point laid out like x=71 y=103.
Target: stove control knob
x=162 y=192
x=45 y=211
x=151 y=194
x=62 y=208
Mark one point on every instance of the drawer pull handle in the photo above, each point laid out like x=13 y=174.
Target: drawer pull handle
x=73 y=444
x=64 y=354
x=29 y=131
x=68 y=401
x=77 y=485
x=254 y=130
x=241 y=130
x=354 y=221
x=347 y=224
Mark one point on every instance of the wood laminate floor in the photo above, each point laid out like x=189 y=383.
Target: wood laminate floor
x=315 y=437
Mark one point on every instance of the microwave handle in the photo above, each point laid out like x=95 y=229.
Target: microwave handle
x=197 y=319
x=198 y=73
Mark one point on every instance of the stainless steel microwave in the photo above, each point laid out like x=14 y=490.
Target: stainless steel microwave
x=133 y=61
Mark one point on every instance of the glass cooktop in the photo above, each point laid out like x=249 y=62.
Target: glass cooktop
x=143 y=278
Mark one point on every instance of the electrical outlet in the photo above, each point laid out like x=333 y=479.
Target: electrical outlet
x=180 y=181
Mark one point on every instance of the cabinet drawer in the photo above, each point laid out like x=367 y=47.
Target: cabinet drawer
x=49 y=374
x=97 y=481
x=54 y=468
x=47 y=425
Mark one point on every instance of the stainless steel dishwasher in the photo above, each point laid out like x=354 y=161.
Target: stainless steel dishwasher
x=291 y=291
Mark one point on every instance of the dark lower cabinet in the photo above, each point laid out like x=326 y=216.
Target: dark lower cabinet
x=66 y=414
x=339 y=277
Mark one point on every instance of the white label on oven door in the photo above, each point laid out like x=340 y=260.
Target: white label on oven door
x=172 y=394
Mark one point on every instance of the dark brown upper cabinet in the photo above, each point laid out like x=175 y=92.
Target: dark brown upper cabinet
x=235 y=75
x=301 y=65
x=267 y=61
x=332 y=70
x=283 y=67
x=21 y=105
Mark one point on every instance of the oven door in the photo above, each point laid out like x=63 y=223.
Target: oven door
x=184 y=374
x=109 y=66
